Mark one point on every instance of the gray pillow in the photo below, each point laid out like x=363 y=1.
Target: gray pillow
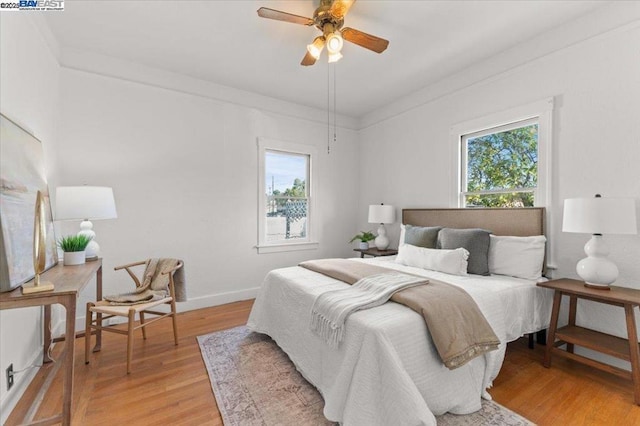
x=421 y=236
x=476 y=241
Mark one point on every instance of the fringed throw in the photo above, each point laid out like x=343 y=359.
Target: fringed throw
x=331 y=309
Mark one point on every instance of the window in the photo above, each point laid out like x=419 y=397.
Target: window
x=502 y=160
x=285 y=194
x=500 y=166
x=286 y=175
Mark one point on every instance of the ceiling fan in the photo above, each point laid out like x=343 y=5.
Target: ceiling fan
x=328 y=18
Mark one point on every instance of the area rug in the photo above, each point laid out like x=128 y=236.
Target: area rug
x=255 y=383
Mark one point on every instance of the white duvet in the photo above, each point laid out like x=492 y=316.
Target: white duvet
x=386 y=371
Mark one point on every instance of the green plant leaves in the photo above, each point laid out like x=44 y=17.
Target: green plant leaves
x=74 y=243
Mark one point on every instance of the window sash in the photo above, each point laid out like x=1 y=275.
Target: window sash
x=502 y=128
x=307 y=159
x=464 y=165
x=499 y=191
x=543 y=111
x=292 y=244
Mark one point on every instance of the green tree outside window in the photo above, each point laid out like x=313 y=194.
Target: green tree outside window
x=502 y=168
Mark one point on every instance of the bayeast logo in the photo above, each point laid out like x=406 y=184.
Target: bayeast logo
x=33 y=5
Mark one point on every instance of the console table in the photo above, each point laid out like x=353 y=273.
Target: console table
x=68 y=282
x=570 y=335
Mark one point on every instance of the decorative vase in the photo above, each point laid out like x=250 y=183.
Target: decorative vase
x=364 y=245
x=74 y=257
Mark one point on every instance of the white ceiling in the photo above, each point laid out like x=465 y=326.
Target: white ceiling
x=225 y=42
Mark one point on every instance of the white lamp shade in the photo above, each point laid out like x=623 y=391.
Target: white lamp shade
x=600 y=215
x=380 y=213
x=85 y=202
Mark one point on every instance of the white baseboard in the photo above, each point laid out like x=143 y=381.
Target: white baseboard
x=189 y=305
x=11 y=398
x=218 y=299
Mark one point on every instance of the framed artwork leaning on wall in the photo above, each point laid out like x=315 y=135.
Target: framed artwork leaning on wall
x=22 y=175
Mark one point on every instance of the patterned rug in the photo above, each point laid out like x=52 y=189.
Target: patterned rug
x=255 y=383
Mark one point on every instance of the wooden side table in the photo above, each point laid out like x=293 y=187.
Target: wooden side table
x=69 y=282
x=372 y=251
x=570 y=335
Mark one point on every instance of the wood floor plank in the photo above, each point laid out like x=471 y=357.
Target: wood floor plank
x=169 y=384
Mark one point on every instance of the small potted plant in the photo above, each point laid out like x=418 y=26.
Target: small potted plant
x=364 y=237
x=74 y=247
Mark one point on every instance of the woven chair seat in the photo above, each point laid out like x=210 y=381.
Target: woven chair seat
x=105 y=307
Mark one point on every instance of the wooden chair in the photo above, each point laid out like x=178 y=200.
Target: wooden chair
x=104 y=310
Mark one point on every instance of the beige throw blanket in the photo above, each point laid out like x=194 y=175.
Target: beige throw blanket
x=154 y=284
x=331 y=309
x=459 y=331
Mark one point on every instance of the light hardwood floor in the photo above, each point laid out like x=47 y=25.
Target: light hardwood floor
x=169 y=384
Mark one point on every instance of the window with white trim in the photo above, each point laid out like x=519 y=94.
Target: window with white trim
x=500 y=166
x=285 y=212
x=502 y=160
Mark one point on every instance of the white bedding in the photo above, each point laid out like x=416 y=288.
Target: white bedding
x=386 y=370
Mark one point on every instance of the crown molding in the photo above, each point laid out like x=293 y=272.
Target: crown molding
x=602 y=22
x=614 y=17
x=38 y=21
x=108 y=66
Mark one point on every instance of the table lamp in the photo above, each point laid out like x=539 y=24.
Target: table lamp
x=597 y=216
x=86 y=203
x=379 y=213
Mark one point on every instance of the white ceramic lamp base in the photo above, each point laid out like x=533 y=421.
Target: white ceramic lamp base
x=382 y=241
x=92 y=249
x=596 y=269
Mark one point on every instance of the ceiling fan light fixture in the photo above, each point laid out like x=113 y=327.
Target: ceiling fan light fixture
x=329 y=19
x=335 y=42
x=334 y=57
x=316 y=47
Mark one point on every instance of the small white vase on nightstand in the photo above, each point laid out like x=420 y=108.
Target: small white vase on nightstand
x=364 y=245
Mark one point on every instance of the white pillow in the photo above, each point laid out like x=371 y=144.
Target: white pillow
x=520 y=257
x=450 y=261
x=402 y=231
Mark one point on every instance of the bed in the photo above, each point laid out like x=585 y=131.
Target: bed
x=387 y=370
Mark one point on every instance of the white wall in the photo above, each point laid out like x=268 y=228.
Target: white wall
x=29 y=96
x=183 y=166
x=184 y=173
x=596 y=144
x=183 y=163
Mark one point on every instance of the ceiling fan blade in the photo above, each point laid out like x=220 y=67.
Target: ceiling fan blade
x=308 y=60
x=265 y=12
x=339 y=8
x=365 y=40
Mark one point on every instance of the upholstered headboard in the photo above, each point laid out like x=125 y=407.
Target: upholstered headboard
x=520 y=222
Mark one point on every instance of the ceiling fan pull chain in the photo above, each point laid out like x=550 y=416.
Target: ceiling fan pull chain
x=335 y=82
x=328 y=112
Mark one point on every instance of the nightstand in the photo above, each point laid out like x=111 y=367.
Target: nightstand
x=570 y=335
x=372 y=251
